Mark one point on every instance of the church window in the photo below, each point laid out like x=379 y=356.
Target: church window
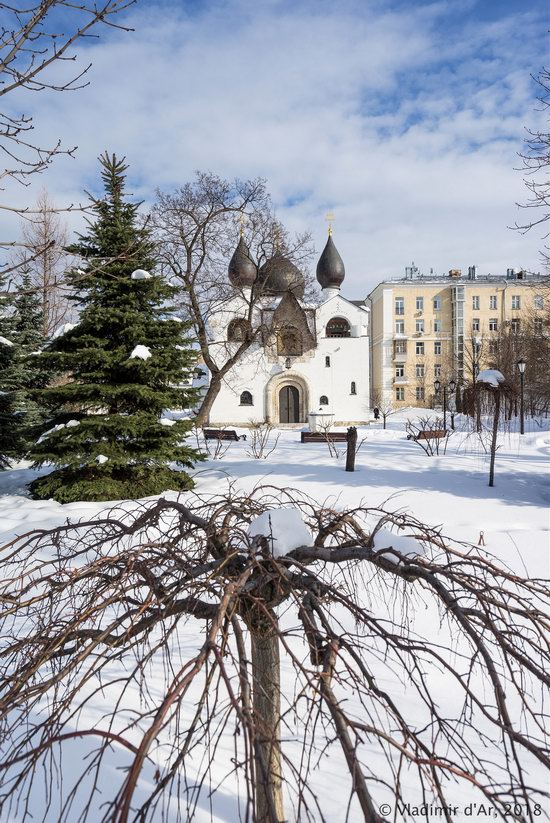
x=323 y=400
x=246 y=399
x=237 y=331
x=289 y=342
x=338 y=327
x=353 y=389
x=327 y=361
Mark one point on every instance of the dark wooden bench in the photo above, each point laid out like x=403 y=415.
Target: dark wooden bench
x=222 y=434
x=428 y=434
x=319 y=437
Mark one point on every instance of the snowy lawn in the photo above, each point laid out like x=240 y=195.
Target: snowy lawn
x=448 y=491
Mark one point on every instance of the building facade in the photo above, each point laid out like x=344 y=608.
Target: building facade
x=305 y=357
x=437 y=328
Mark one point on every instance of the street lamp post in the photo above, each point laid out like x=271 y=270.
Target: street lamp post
x=437 y=387
x=452 y=387
x=521 y=367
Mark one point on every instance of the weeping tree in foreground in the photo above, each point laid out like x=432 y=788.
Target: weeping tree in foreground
x=96 y=648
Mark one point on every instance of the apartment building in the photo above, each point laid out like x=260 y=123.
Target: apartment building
x=425 y=328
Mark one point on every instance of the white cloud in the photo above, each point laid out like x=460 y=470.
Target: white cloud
x=406 y=123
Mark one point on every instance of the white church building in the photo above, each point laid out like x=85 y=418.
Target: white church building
x=305 y=358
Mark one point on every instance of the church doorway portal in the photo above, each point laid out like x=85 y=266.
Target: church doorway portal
x=289 y=405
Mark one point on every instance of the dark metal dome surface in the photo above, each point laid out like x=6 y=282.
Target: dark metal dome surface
x=242 y=269
x=279 y=275
x=330 y=268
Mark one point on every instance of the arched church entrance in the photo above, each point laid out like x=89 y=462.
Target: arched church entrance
x=287 y=399
x=289 y=405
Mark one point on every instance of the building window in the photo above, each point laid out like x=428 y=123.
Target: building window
x=338 y=327
x=493 y=302
x=400 y=305
x=516 y=301
x=437 y=326
x=400 y=371
x=353 y=388
x=515 y=324
x=237 y=331
x=437 y=303
x=475 y=324
x=437 y=347
x=400 y=393
x=420 y=327
x=419 y=304
x=493 y=347
x=289 y=342
x=538 y=325
x=539 y=301
x=419 y=370
x=437 y=370
x=475 y=302
x=327 y=361
x=420 y=392
x=246 y=399
x=323 y=400
x=400 y=327
x=420 y=348
x=493 y=324
x=400 y=347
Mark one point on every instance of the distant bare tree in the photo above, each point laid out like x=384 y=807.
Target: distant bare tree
x=45 y=261
x=384 y=404
x=536 y=167
x=93 y=648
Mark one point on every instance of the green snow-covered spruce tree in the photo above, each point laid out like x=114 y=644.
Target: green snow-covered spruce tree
x=26 y=370
x=126 y=361
x=9 y=447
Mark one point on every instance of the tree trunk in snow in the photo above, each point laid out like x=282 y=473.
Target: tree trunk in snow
x=203 y=414
x=494 y=438
x=266 y=702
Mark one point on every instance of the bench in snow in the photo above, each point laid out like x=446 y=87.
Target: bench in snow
x=222 y=434
x=428 y=434
x=318 y=437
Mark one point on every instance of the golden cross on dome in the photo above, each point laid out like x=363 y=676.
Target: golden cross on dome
x=242 y=221
x=329 y=216
x=277 y=237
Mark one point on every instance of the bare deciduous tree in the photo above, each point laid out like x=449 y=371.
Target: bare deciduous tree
x=94 y=647
x=37 y=54
x=45 y=261
x=536 y=165
x=196 y=228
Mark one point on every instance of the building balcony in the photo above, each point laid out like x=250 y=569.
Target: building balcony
x=400 y=357
x=398 y=336
x=401 y=381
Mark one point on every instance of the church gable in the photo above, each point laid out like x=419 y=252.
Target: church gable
x=288 y=331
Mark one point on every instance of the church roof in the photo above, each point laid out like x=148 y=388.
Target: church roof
x=242 y=269
x=279 y=275
x=330 y=268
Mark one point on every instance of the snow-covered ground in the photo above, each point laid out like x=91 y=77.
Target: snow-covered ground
x=449 y=491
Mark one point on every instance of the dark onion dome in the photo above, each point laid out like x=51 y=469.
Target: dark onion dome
x=330 y=268
x=279 y=275
x=242 y=269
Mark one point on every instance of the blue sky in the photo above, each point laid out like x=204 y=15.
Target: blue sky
x=404 y=118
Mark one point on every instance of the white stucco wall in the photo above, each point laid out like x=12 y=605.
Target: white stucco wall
x=349 y=361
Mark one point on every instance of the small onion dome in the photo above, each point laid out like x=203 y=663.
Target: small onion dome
x=279 y=275
x=330 y=268
x=242 y=269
